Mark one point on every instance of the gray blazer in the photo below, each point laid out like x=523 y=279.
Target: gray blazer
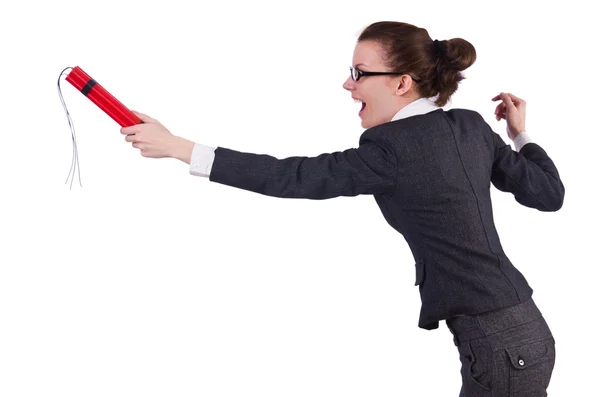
x=430 y=175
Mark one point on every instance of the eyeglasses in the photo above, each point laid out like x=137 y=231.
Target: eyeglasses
x=357 y=74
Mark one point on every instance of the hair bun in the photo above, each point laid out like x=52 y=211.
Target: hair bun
x=460 y=54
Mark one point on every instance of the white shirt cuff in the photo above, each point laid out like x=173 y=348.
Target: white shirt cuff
x=521 y=140
x=202 y=160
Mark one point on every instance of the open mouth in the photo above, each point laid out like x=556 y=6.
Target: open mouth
x=363 y=105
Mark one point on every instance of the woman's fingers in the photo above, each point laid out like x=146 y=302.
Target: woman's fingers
x=145 y=150
x=509 y=102
x=507 y=95
x=514 y=98
x=500 y=111
x=144 y=117
x=512 y=109
x=152 y=138
x=506 y=100
x=500 y=108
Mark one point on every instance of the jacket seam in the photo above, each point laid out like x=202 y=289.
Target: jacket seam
x=479 y=207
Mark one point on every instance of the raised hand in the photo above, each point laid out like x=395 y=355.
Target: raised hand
x=512 y=109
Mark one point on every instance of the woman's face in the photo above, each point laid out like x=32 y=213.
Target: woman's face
x=380 y=95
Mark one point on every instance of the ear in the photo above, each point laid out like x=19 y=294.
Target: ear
x=403 y=84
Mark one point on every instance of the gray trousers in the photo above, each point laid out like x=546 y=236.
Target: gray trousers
x=509 y=352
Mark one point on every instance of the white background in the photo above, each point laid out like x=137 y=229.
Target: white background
x=148 y=281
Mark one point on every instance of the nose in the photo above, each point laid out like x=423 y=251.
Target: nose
x=348 y=84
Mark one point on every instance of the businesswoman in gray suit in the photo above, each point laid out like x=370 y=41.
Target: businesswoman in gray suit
x=430 y=172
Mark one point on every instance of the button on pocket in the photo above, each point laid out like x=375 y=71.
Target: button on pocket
x=525 y=356
x=531 y=367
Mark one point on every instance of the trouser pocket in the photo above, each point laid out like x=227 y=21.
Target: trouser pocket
x=530 y=368
x=476 y=367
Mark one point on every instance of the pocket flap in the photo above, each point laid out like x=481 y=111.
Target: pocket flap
x=527 y=355
x=420 y=271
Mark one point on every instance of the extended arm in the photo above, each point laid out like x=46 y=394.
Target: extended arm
x=368 y=169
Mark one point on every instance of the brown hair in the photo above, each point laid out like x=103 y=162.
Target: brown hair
x=410 y=50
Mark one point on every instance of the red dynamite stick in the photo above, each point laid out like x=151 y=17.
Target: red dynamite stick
x=102 y=98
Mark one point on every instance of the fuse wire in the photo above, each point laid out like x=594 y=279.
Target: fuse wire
x=75 y=159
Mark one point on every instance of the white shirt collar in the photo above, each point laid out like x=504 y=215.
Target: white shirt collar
x=417 y=107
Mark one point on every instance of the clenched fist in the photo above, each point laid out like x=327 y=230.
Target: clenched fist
x=154 y=140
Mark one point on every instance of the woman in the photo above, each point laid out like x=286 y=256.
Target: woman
x=430 y=171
